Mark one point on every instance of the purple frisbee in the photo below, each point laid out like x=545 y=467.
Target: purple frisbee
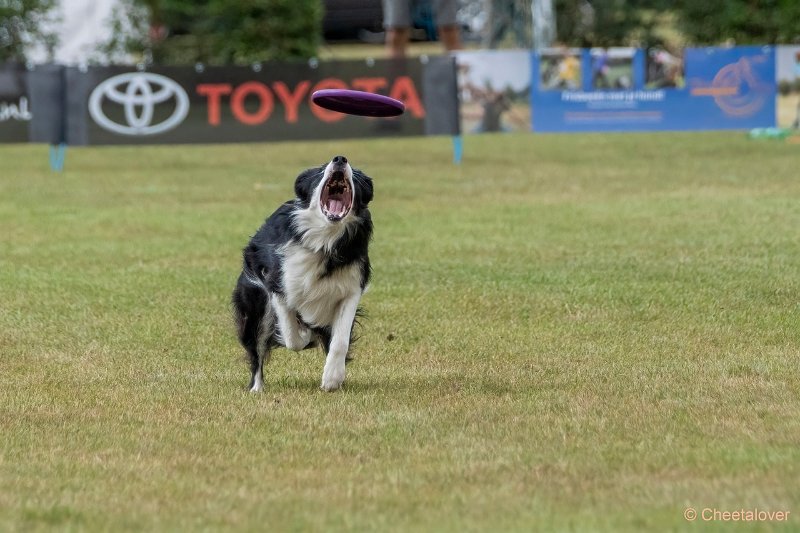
x=358 y=103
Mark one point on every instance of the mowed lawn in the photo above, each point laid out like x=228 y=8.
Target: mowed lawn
x=564 y=333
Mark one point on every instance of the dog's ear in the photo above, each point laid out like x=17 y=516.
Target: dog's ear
x=363 y=186
x=304 y=184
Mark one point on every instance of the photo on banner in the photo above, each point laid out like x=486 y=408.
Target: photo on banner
x=665 y=69
x=560 y=69
x=494 y=89
x=612 y=68
x=787 y=77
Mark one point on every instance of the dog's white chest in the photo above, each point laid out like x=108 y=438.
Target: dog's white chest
x=310 y=291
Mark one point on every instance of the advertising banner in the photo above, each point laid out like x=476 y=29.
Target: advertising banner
x=116 y=105
x=712 y=88
x=552 y=90
x=494 y=90
x=787 y=71
x=15 y=108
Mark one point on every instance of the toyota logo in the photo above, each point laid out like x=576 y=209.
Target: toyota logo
x=138 y=93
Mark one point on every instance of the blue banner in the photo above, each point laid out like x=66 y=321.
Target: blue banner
x=619 y=90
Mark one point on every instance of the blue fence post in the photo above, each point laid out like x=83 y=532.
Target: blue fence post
x=458 y=149
x=587 y=83
x=57 y=154
x=639 y=69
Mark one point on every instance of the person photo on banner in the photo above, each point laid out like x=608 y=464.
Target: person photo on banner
x=569 y=70
x=600 y=70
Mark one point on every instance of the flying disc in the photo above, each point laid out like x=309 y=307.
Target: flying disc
x=358 y=103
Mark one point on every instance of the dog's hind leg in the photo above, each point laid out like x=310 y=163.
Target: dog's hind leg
x=256 y=370
x=255 y=326
x=264 y=340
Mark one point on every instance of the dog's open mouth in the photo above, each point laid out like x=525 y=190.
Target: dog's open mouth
x=337 y=196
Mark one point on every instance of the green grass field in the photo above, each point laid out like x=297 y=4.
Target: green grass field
x=565 y=333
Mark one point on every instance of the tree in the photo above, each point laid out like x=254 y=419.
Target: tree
x=610 y=22
x=23 y=23
x=228 y=31
x=700 y=22
x=743 y=21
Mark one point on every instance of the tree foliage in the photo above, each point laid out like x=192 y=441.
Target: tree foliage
x=706 y=22
x=605 y=22
x=233 y=32
x=743 y=22
x=24 y=23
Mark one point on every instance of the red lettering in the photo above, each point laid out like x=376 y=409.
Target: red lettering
x=370 y=85
x=326 y=115
x=214 y=93
x=403 y=89
x=290 y=100
x=265 y=106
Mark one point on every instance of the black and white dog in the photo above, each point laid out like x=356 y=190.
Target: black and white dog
x=305 y=271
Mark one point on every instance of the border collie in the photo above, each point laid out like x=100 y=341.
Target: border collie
x=305 y=270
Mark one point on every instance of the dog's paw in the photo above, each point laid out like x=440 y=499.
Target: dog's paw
x=299 y=339
x=332 y=377
x=306 y=336
x=257 y=383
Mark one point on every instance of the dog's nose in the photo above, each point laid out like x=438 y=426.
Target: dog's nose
x=340 y=159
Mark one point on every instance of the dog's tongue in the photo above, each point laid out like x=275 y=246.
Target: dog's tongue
x=336 y=206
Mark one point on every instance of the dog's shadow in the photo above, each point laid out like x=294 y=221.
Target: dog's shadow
x=292 y=383
x=441 y=385
x=311 y=384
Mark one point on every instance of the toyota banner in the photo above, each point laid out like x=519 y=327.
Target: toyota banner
x=267 y=102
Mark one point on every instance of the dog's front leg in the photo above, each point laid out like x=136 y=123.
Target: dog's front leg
x=333 y=375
